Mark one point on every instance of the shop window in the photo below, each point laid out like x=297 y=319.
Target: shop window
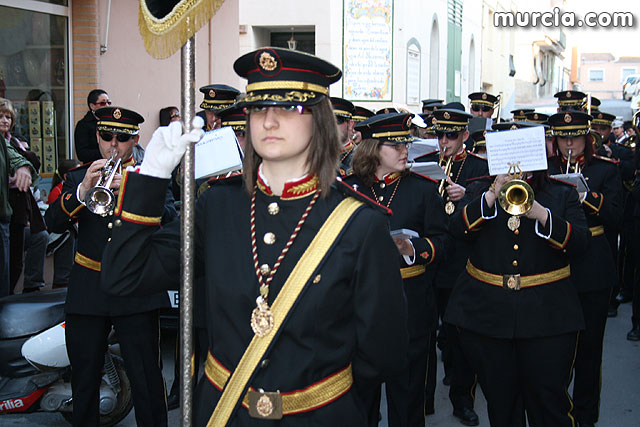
x=34 y=76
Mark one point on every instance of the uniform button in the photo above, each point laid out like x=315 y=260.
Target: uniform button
x=516 y=231
x=264 y=269
x=273 y=208
x=117 y=222
x=515 y=263
x=109 y=239
x=382 y=185
x=264 y=363
x=110 y=225
x=317 y=279
x=516 y=247
x=269 y=238
x=466 y=232
x=380 y=198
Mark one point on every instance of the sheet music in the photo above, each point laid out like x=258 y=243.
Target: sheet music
x=526 y=146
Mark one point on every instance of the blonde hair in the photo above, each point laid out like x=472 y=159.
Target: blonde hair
x=7 y=107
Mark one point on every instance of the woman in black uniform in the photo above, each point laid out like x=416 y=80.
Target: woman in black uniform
x=380 y=172
x=303 y=291
x=515 y=306
x=595 y=271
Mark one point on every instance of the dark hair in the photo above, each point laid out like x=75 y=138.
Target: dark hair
x=94 y=95
x=323 y=153
x=63 y=167
x=589 y=149
x=165 y=115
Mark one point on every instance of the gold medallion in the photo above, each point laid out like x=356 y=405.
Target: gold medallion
x=513 y=223
x=267 y=61
x=449 y=207
x=261 y=318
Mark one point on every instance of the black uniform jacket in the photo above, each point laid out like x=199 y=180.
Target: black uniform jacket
x=465 y=168
x=595 y=269
x=85 y=139
x=352 y=310
x=416 y=205
x=538 y=311
x=84 y=295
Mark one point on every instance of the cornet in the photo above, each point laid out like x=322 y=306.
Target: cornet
x=447 y=170
x=576 y=167
x=100 y=199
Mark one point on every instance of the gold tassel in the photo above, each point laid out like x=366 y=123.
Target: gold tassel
x=163 y=37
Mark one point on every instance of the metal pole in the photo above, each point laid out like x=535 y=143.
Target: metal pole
x=188 y=76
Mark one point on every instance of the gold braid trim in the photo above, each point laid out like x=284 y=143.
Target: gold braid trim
x=413 y=271
x=87 y=262
x=163 y=37
x=525 y=281
x=291 y=96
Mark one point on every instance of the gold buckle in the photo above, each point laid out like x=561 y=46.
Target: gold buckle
x=511 y=282
x=265 y=405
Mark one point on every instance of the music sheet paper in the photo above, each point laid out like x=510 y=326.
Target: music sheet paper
x=526 y=146
x=217 y=152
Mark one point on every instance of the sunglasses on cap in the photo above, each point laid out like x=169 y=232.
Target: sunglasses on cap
x=399 y=146
x=103 y=103
x=120 y=137
x=448 y=135
x=484 y=108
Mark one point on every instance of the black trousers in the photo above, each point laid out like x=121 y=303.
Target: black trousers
x=405 y=392
x=462 y=389
x=529 y=375
x=588 y=365
x=138 y=335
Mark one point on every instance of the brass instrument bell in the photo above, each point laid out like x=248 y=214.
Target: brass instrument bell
x=516 y=196
x=100 y=199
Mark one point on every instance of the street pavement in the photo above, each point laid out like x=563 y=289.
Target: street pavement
x=620 y=405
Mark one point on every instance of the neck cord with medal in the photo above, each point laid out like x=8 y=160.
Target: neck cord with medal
x=392 y=194
x=513 y=223
x=450 y=207
x=262 y=317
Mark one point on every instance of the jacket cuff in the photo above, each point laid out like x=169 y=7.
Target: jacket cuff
x=560 y=232
x=70 y=204
x=425 y=250
x=141 y=198
x=594 y=201
x=472 y=214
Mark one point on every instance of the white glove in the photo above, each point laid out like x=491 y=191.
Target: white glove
x=167 y=146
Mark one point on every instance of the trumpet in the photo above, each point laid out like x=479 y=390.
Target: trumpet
x=516 y=197
x=447 y=170
x=576 y=167
x=100 y=199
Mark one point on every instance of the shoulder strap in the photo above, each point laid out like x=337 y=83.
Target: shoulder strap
x=286 y=298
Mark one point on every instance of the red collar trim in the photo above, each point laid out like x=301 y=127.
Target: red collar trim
x=294 y=189
x=347 y=147
x=130 y=162
x=390 y=178
x=460 y=156
x=580 y=159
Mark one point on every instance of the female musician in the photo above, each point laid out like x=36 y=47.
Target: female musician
x=594 y=272
x=302 y=286
x=380 y=172
x=515 y=306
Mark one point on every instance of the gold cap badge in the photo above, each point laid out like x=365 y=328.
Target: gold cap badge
x=513 y=127
x=567 y=118
x=446 y=115
x=535 y=116
x=484 y=96
x=212 y=93
x=267 y=61
x=117 y=114
x=568 y=94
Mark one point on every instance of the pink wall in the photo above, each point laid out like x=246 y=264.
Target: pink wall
x=137 y=81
